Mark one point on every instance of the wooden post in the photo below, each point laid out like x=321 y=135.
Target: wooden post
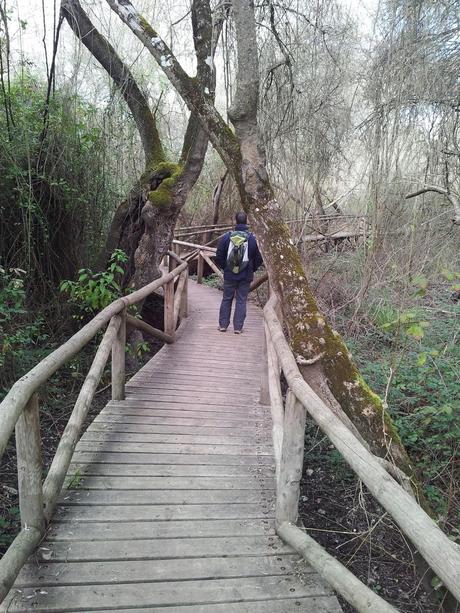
x=118 y=360
x=199 y=270
x=168 y=289
x=276 y=400
x=29 y=459
x=183 y=308
x=264 y=397
x=171 y=262
x=287 y=499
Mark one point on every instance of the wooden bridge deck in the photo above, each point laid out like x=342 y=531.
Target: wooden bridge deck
x=170 y=508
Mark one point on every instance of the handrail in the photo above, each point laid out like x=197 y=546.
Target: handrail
x=442 y=554
x=203 y=253
x=20 y=410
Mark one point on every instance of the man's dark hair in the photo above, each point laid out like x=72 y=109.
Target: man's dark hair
x=241 y=217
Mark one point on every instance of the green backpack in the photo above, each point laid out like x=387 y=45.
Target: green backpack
x=237 y=254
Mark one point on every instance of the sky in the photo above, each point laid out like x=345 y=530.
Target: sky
x=27 y=31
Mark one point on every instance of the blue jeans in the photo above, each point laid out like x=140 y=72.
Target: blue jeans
x=240 y=289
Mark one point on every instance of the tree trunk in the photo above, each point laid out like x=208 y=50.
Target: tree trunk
x=320 y=352
x=325 y=360
x=143 y=224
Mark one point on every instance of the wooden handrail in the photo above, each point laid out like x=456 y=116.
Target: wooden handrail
x=20 y=409
x=20 y=393
x=442 y=554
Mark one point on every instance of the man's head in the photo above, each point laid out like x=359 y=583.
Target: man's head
x=241 y=218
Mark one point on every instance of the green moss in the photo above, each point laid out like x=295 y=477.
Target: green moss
x=169 y=172
x=147 y=27
x=161 y=197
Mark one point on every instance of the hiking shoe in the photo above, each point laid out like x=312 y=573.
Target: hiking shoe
x=237 y=331
x=221 y=329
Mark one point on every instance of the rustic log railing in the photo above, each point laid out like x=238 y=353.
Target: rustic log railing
x=20 y=408
x=442 y=554
x=315 y=228
x=204 y=253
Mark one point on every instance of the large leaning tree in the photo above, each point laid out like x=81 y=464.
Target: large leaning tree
x=321 y=354
x=143 y=224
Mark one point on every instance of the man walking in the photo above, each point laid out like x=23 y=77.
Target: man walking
x=239 y=257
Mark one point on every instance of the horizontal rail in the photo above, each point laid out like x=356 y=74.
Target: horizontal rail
x=140 y=324
x=20 y=393
x=195 y=246
x=58 y=470
x=334 y=572
x=442 y=554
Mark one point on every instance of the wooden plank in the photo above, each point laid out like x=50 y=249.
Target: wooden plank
x=179 y=385
x=167 y=459
x=168 y=418
x=152 y=405
x=199 y=430
x=181 y=439
x=164 y=497
x=249 y=482
x=112 y=531
x=166 y=470
x=203 y=415
x=103 y=513
x=96 y=573
x=196 y=370
x=155 y=374
x=162 y=549
x=169 y=593
x=216 y=398
x=166 y=448
x=316 y=604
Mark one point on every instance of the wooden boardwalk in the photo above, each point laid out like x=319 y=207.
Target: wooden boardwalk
x=170 y=507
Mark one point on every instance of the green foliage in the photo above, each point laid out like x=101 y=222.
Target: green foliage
x=20 y=331
x=424 y=395
x=8 y=526
x=55 y=198
x=213 y=281
x=92 y=292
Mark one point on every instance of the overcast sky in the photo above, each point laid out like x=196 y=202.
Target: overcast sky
x=27 y=31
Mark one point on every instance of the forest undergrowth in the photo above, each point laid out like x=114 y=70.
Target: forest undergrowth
x=406 y=343
x=26 y=337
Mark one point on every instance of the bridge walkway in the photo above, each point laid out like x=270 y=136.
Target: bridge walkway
x=170 y=506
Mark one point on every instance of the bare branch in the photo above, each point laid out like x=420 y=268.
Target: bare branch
x=198 y=102
x=106 y=55
x=455 y=202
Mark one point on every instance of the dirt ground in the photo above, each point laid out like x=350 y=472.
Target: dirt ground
x=343 y=517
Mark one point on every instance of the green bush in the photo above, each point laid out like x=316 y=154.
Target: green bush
x=92 y=292
x=423 y=396
x=21 y=332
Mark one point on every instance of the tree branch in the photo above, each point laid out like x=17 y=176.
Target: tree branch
x=106 y=55
x=455 y=202
x=198 y=102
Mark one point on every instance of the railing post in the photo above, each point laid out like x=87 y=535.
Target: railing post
x=29 y=459
x=288 y=491
x=199 y=270
x=183 y=308
x=118 y=360
x=264 y=397
x=168 y=290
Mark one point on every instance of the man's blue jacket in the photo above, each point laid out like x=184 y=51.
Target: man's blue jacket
x=255 y=259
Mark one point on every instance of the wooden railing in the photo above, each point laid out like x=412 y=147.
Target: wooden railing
x=309 y=229
x=442 y=554
x=203 y=254
x=19 y=410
